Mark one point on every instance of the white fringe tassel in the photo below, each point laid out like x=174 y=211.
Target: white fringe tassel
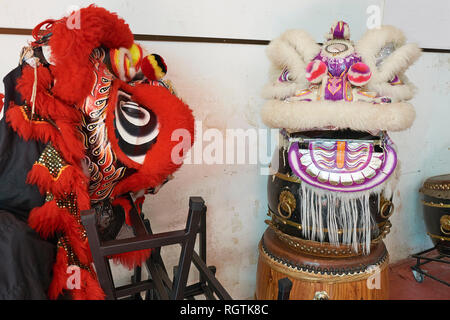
x=336 y=211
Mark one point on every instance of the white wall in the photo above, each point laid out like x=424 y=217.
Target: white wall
x=222 y=84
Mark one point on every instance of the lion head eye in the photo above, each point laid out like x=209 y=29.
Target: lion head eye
x=136 y=127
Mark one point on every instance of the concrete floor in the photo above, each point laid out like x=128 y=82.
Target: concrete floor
x=403 y=286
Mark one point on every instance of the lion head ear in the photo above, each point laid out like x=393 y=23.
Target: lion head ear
x=134 y=63
x=71 y=45
x=289 y=55
x=388 y=56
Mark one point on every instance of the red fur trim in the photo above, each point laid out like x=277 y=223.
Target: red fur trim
x=80 y=247
x=89 y=287
x=46 y=105
x=26 y=81
x=93 y=289
x=71 y=48
x=139 y=203
x=83 y=198
x=68 y=177
x=26 y=129
x=132 y=259
x=69 y=142
x=172 y=114
x=126 y=205
x=1 y=101
x=59 y=280
x=66 y=138
x=49 y=218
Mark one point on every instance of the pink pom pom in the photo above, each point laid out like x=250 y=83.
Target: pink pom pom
x=315 y=71
x=359 y=74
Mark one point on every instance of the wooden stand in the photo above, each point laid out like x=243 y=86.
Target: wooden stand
x=314 y=277
x=158 y=286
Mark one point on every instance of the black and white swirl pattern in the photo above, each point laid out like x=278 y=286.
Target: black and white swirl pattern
x=136 y=127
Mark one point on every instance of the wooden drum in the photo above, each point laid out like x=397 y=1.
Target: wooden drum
x=436 y=210
x=320 y=271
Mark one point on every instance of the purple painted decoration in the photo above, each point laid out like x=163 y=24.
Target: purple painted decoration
x=334 y=89
x=343 y=166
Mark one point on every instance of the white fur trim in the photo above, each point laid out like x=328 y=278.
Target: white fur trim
x=280 y=90
x=400 y=92
x=394 y=65
x=293 y=49
x=305 y=45
x=357 y=115
x=397 y=63
x=375 y=39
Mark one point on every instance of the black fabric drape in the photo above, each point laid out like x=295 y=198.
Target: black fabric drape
x=16 y=159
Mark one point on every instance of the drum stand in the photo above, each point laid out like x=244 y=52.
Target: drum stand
x=158 y=286
x=419 y=274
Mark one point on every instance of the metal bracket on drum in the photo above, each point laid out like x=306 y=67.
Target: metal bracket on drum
x=321 y=295
x=286 y=202
x=386 y=208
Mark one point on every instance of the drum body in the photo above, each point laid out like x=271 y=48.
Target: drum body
x=326 y=263
x=436 y=211
x=320 y=277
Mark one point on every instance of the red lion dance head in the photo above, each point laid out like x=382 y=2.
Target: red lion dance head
x=98 y=102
